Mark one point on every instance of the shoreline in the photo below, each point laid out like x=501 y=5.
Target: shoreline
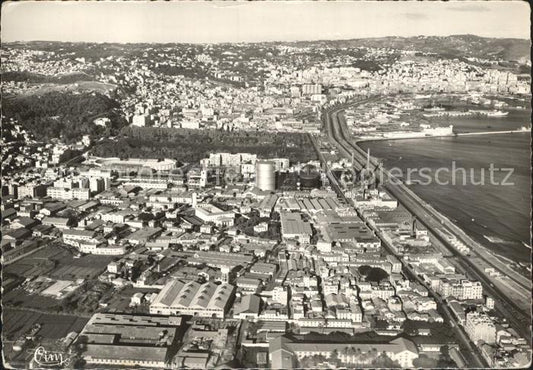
x=499 y=280
x=506 y=132
x=499 y=260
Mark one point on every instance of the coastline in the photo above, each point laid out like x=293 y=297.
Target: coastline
x=378 y=139
x=485 y=252
x=503 y=288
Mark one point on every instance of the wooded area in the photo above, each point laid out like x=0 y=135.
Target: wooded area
x=70 y=116
x=192 y=145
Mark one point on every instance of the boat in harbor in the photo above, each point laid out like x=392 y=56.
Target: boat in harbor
x=434 y=109
x=497 y=113
x=489 y=113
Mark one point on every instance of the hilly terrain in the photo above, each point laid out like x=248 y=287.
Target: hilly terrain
x=453 y=46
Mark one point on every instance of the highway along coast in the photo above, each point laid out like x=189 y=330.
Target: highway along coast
x=510 y=290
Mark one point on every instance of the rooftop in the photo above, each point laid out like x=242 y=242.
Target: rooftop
x=179 y=293
x=292 y=223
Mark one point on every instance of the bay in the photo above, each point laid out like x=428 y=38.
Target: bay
x=496 y=215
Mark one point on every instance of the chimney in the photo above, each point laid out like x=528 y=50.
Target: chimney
x=194 y=200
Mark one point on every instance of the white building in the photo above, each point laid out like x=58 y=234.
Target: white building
x=100 y=247
x=73 y=236
x=280 y=295
x=283 y=352
x=211 y=213
x=479 y=326
x=68 y=194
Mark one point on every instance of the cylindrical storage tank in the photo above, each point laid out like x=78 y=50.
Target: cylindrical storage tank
x=309 y=177
x=265 y=175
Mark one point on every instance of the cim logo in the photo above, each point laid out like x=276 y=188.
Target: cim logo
x=45 y=358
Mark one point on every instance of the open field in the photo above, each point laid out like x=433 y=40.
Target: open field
x=75 y=272
x=58 y=263
x=39 y=84
x=17 y=322
x=52 y=250
x=20 y=298
x=81 y=86
x=30 y=268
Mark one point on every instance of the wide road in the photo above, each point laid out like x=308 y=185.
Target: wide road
x=472 y=354
x=441 y=223
x=515 y=314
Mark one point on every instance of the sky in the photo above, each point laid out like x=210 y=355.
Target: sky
x=218 y=21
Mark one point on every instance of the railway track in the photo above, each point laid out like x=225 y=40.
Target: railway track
x=517 y=317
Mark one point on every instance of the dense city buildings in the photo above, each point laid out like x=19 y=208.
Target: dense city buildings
x=209 y=206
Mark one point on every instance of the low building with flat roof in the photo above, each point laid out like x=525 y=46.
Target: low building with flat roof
x=211 y=213
x=309 y=205
x=128 y=340
x=264 y=268
x=355 y=232
x=272 y=326
x=286 y=354
x=294 y=227
x=144 y=234
x=219 y=259
x=247 y=308
x=111 y=354
x=137 y=164
x=266 y=206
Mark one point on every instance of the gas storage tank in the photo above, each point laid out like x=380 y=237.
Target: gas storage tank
x=309 y=177
x=265 y=175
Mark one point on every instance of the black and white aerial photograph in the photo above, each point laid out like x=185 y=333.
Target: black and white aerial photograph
x=266 y=184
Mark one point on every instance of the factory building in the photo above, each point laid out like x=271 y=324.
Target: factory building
x=180 y=297
x=128 y=340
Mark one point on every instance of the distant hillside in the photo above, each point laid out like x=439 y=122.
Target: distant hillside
x=452 y=46
x=30 y=77
x=89 y=50
x=448 y=46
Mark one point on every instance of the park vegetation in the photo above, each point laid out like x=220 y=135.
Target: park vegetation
x=64 y=115
x=190 y=145
x=374 y=274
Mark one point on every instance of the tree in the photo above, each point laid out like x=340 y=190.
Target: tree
x=384 y=361
x=424 y=361
x=56 y=114
x=445 y=361
x=334 y=358
x=376 y=274
x=364 y=269
x=306 y=362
